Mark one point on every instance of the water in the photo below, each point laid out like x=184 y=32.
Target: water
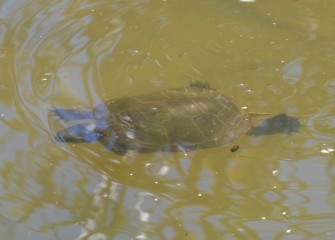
x=275 y=57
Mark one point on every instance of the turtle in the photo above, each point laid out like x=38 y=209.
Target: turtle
x=179 y=119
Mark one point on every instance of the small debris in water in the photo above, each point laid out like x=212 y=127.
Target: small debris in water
x=132 y=51
x=163 y=170
x=327 y=150
x=275 y=172
x=234 y=148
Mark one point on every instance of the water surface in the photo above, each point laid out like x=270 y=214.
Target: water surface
x=275 y=57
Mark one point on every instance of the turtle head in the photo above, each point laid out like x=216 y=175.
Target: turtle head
x=281 y=123
x=78 y=133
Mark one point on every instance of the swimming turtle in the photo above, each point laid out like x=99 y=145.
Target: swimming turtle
x=193 y=117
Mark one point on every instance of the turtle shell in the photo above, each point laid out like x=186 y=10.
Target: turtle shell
x=172 y=120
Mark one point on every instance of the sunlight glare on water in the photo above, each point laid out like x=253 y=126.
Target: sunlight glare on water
x=268 y=57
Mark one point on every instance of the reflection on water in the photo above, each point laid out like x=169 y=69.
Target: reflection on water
x=76 y=54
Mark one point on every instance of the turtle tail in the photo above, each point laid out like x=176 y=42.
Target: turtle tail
x=200 y=84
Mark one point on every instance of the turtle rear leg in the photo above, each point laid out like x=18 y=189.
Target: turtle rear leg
x=71 y=115
x=78 y=133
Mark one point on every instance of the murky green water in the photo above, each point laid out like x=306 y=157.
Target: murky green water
x=275 y=57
